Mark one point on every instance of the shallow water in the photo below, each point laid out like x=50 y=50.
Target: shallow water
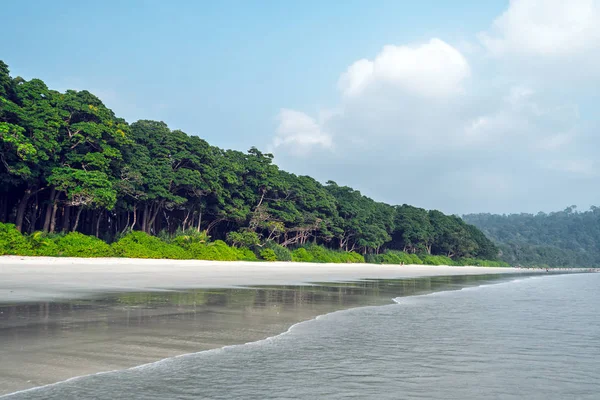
x=532 y=338
x=46 y=342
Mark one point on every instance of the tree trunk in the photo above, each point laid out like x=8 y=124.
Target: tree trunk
x=185 y=220
x=77 y=218
x=212 y=225
x=128 y=219
x=134 y=216
x=34 y=215
x=199 y=220
x=66 y=219
x=53 y=216
x=4 y=209
x=98 y=223
x=145 y=218
x=21 y=209
x=153 y=218
x=49 y=210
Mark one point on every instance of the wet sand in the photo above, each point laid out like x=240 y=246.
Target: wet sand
x=61 y=318
x=47 y=278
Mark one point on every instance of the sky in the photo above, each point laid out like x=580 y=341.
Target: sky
x=463 y=106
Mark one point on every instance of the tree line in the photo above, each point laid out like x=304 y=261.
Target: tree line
x=68 y=164
x=563 y=238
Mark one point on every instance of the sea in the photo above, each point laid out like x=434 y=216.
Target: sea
x=525 y=338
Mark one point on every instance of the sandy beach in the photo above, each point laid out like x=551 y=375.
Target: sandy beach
x=66 y=317
x=46 y=278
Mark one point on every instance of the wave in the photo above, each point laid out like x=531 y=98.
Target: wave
x=153 y=364
x=403 y=299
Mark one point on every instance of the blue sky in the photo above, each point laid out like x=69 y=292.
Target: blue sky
x=272 y=74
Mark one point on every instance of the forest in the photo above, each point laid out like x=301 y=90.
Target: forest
x=69 y=165
x=564 y=238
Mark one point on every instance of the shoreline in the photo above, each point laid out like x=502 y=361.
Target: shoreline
x=86 y=316
x=392 y=300
x=48 y=278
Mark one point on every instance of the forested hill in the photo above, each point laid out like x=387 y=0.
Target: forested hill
x=565 y=238
x=67 y=163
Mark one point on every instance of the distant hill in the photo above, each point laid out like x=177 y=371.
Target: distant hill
x=564 y=238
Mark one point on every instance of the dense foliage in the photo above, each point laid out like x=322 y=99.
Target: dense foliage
x=564 y=238
x=193 y=246
x=68 y=164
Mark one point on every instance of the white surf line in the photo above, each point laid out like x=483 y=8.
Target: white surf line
x=395 y=301
x=399 y=300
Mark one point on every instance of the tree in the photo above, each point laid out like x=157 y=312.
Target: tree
x=68 y=163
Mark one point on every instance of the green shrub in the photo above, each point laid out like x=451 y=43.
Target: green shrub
x=141 y=245
x=44 y=244
x=245 y=254
x=268 y=255
x=388 y=258
x=12 y=241
x=75 y=244
x=320 y=254
x=480 y=263
x=215 y=251
x=437 y=260
x=244 y=238
x=301 y=255
x=354 y=257
x=188 y=237
x=414 y=259
x=371 y=259
x=346 y=257
x=397 y=257
x=282 y=253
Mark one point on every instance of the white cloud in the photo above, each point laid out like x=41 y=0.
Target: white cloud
x=299 y=133
x=581 y=167
x=519 y=95
x=419 y=124
x=556 y=142
x=433 y=69
x=475 y=151
x=545 y=27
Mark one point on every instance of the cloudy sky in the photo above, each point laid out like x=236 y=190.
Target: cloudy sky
x=463 y=106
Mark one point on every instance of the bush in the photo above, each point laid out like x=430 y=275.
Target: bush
x=216 y=251
x=44 y=244
x=188 y=237
x=268 y=255
x=141 y=245
x=344 y=257
x=75 y=244
x=301 y=255
x=12 y=241
x=354 y=257
x=387 y=258
x=371 y=259
x=437 y=260
x=480 y=263
x=319 y=254
x=324 y=255
x=245 y=254
x=244 y=238
x=282 y=253
x=397 y=257
x=414 y=259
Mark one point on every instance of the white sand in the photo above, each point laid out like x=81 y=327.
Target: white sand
x=47 y=278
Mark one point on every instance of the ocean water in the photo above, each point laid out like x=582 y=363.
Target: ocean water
x=531 y=338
